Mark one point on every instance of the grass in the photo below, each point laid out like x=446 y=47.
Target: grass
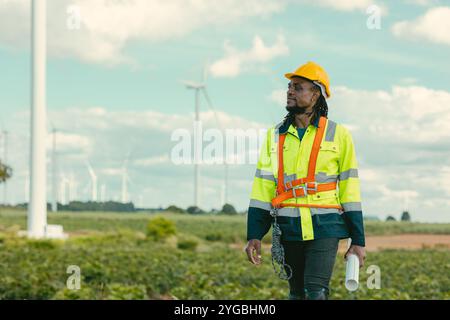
x=118 y=261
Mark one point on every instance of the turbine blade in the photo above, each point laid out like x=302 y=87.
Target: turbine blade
x=210 y=105
x=192 y=84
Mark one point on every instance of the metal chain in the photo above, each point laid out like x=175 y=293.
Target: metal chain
x=281 y=268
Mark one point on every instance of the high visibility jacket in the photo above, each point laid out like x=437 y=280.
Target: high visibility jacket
x=336 y=212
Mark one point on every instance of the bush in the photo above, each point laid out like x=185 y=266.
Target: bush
x=81 y=294
x=214 y=236
x=175 y=209
x=160 y=228
x=187 y=243
x=194 y=210
x=390 y=218
x=405 y=216
x=229 y=209
x=118 y=291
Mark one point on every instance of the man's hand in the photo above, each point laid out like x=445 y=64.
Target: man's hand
x=253 y=250
x=359 y=251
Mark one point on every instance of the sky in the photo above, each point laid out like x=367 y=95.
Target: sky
x=115 y=72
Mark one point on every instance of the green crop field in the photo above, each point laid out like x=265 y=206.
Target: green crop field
x=202 y=259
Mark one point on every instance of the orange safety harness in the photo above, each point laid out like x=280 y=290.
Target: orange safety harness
x=307 y=185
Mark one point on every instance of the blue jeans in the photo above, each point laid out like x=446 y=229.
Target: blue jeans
x=312 y=265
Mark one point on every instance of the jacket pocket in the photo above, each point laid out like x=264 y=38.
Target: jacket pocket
x=328 y=158
x=324 y=195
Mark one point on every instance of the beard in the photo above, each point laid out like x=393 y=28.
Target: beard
x=293 y=110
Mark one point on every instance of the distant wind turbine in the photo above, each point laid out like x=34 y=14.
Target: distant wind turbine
x=125 y=179
x=54 y=172
x=93 y=181
x=64 y=184
x=103 y=193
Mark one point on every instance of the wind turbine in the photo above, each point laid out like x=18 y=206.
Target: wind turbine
x=54 y=172
x=125 y=179
x=64 y=183
x=124 y=174
x=72 y=187
x=201 y=87
x=93 y=181
x=197 y=87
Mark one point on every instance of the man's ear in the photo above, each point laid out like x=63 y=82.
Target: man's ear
x=315 y=97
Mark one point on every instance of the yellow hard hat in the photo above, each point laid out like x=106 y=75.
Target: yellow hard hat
x=312 y=71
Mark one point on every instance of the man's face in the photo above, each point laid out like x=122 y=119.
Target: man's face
x=300 y=95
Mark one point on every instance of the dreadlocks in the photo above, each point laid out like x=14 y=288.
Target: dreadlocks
x=320 y=109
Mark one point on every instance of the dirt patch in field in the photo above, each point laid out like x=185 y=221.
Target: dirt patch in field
x=400 y=241
x=403 y=241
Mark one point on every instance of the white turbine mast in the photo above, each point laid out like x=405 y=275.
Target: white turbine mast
x=54 y=172
x=37 y=207
x=64 y=184
x=72 y=187
x=125 y=179
x=93 y=177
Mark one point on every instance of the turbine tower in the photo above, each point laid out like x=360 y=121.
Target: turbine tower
x=54 y=173
x=37 y=209
x=93 y=181
x=63 y=185
x=72 y=187
x=125 y=179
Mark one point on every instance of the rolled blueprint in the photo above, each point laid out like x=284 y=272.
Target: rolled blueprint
x=352 y=272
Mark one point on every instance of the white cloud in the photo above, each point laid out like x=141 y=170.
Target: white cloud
x=235 y=62
x=111 y=171
x=403 y=146
x=278 y=96
x=433 y=26
x=407 y=81
x=69 y=142
x=422 y=2
x=151 y=161
x=107 y=26
x=344 y=5
x=409 y=109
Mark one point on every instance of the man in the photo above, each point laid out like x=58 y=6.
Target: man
x=307 y=185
